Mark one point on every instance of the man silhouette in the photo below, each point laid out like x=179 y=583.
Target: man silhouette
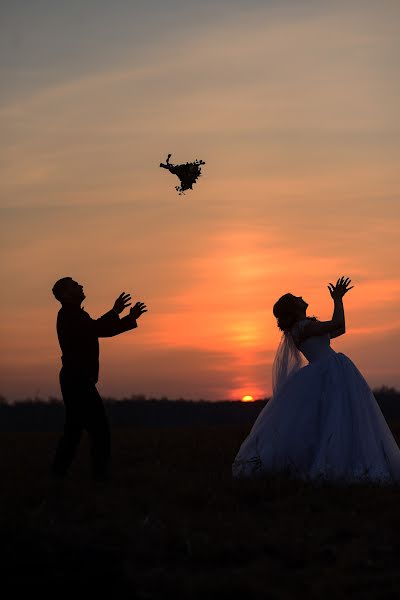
x=78 y=336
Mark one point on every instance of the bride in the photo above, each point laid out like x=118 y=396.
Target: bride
x=322 y=422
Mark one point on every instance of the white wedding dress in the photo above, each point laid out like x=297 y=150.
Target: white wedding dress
x=323 y=424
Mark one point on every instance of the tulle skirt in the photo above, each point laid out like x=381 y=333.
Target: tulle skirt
x=324 y=424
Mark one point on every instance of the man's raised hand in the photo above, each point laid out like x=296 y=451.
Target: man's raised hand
x=122 y=302
x=138 y=310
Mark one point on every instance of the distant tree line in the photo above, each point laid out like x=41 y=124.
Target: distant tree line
x=37 y=414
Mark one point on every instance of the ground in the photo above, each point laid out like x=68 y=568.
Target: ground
x=171 y=523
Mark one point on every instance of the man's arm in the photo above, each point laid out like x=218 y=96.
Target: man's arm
x=110 y=324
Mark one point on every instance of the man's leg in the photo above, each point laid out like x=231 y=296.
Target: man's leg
x=73 y=428
x=97 y=426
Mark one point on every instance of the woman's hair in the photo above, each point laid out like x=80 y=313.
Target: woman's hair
x=285 y=312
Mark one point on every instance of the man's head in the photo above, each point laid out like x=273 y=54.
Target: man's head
x=68 y=291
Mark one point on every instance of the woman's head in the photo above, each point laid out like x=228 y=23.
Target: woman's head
x=289 y=309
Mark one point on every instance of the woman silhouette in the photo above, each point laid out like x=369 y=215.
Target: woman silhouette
x=322 y=422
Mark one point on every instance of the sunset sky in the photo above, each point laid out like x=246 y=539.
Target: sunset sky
x=294 y=106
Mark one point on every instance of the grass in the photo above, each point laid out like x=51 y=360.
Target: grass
x=173 y=524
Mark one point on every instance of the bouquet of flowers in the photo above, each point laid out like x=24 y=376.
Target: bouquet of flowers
x=188 y=173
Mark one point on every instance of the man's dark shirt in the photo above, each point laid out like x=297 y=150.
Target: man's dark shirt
x=78 y=335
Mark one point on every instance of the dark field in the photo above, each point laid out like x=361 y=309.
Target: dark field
x=172 y=524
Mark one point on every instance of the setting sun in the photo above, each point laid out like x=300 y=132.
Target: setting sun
x=247 y=399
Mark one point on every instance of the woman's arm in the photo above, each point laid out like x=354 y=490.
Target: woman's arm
x=338 y=332
x=336 y=326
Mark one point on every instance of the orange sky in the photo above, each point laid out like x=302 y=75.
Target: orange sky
x=295 y=111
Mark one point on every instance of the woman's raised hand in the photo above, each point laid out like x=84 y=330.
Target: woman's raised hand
x=340 y=289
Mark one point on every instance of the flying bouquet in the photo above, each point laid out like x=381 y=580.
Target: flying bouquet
x=188 y=173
